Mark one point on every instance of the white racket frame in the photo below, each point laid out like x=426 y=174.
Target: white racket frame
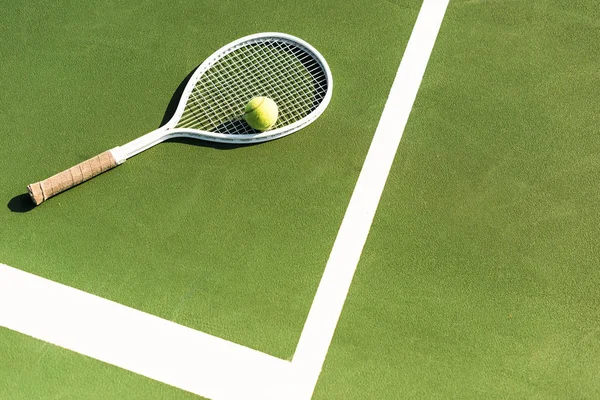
x=169 y=130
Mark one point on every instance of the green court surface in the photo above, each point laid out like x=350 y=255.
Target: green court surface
x=230 y=241
x=480 y=276
x=32 y=369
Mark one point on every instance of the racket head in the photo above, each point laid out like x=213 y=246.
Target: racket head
x=276 y=65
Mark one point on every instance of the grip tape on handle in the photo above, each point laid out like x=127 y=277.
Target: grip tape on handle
x=43 y=190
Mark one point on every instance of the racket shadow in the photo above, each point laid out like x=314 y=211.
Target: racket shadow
x=172 y=108
x=21 y=203
x=206 y=143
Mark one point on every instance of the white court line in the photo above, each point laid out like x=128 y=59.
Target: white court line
x=333 y=288
x=136 y=341
x=201 y=363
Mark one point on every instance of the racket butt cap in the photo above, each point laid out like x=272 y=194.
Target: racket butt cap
x=36 y=193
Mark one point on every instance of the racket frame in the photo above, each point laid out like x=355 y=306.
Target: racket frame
x=170 y=131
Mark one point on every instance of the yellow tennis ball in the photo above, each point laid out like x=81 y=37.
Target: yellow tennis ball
x=261 y=113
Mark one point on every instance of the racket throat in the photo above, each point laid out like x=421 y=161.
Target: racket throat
x=142 y=143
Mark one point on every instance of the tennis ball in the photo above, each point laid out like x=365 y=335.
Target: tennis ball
x=261 y=113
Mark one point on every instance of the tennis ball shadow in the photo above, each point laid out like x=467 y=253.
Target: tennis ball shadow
x=21 y=203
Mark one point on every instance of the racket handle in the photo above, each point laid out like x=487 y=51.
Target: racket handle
x=43 y=190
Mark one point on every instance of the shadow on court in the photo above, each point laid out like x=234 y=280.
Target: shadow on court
x=21 y=203
x=205 y=143
x=224 y=127
x=172 y=106
x=170 y=111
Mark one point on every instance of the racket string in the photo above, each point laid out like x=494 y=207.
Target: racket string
x=281 y=80
x=299 y=98
x=293 y=80
x=294 y=91
x=249 y=86
x=289 y=75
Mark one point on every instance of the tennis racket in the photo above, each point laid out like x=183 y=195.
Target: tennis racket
x=279 y=66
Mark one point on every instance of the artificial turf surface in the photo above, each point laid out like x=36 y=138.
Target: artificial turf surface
x=479 y=278
x=229 y=241
x=32 y=369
